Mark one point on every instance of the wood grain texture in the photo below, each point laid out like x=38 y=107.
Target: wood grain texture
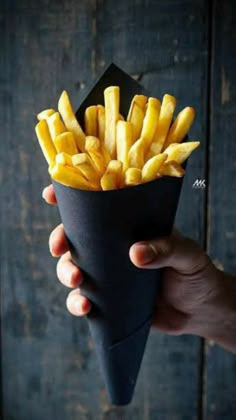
x=49 y=366
x=221 y=365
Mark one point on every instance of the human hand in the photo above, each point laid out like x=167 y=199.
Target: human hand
x=193 y=292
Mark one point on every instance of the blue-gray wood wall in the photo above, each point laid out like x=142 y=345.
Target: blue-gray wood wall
x=184 y=47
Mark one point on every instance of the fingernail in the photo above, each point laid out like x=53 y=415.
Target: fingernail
x=147 y=253
x=43 y=193
x=78 y=307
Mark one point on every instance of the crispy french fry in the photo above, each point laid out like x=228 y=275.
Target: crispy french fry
x=86 y=166
x=136 y=115
x=70 y=120
x=181 y=126
x=43 y=115
x=180 y=151
x=90 y=121
x=98 y=153
x=150 y=122
x=121 y=118
x=136 y=154
x=124 y=140
x=112 y=179
x=65 y=142
x=108 y=182
x=45 y=141
x=152 y=166
x=55 y=125
x=64 y=159
x=133 y=176
x=101 y=122
x=166 y=114
x=69 y=176
x=112 y=102
x=171 y=168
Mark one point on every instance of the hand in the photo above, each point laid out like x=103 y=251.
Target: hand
x=193 y=299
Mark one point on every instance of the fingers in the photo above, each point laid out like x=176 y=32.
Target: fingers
x=176 y=251
x=77 y=304
x=49 y=195
x=67 y=272
x=58 y=244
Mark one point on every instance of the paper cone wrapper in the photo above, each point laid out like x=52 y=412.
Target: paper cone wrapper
x=100 y=227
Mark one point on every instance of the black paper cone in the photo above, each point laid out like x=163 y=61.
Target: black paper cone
x=100 y=227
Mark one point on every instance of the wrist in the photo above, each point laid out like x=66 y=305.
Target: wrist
x=216 y=318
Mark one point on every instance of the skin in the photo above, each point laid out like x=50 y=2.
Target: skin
x=196 y=297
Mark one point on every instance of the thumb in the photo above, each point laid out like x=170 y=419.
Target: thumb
x=176 y=251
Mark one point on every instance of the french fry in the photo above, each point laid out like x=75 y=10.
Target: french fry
x=69 y=176
x=98 y=153
x=121 y=118
x=45 y=141
x=90 y=121
x=112 y=102
x=70 y=120
x=124 y=140
x=65 y=142
x=101 y=122
x=43 y=115
x=181 y=126
x=64 y=159
x=136 y=154
x=133 y=176
x=151 y=167
x=136 y=115
x=179 y=152
x=112 y=179
x=84 y=163
x=55 y=125
x=166 y=114
x=150 y=122
x=171 y=168
x=108 y=182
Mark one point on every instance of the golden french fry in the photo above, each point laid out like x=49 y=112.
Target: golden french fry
x=112 y=179
x=55 y=125
x=84 y=163
x=133 y=176
x=180 y=151
x=151 y=167
x=90 y=121
x=43 y=115
x=69 y=176
x=150 y=122
x=121 y=118
x=101 y=122
x=124 y=140
x=64 y=159
x=96 y=150
x=136 y=115
x=65 y=142
x=171 y=168
x=108 y=182
x=45 y=141
x=112 y=102
x=70 y=120
x=139 y=100
x=136 y=154
x=181 y=126
x=166 y=114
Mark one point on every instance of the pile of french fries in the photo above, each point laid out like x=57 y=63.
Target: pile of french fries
x=111 y=152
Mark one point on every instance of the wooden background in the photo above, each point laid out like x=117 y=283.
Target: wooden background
x=183 y=47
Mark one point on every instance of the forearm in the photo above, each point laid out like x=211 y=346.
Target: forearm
x=217 y=318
